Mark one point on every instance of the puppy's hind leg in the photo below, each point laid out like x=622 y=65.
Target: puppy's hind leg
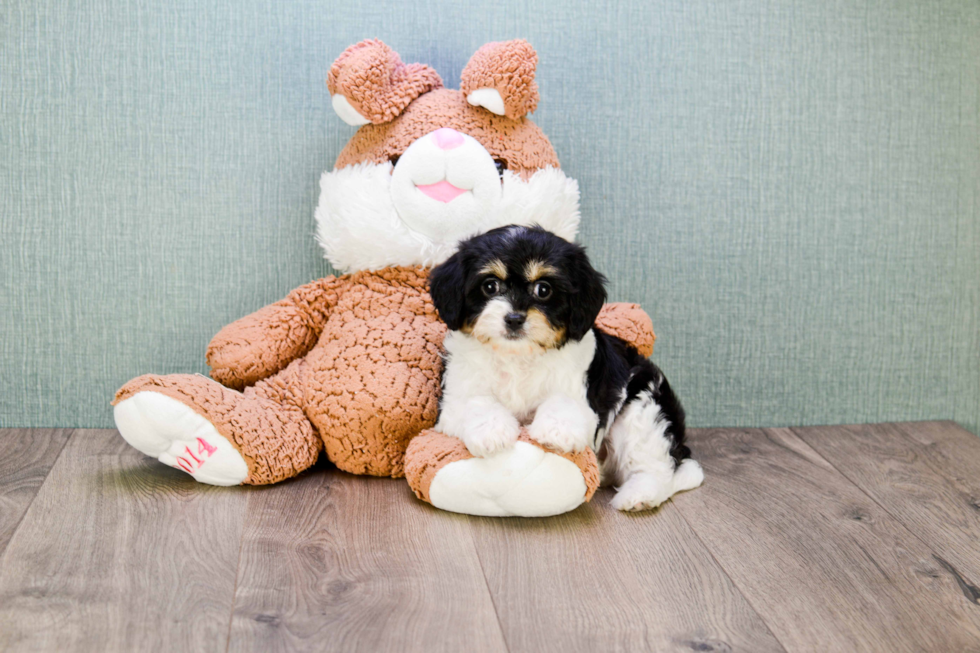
x=639 y=457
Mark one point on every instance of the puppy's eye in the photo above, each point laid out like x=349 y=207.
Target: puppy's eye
x=491 y=287
x=542 y=290
x=501 y=166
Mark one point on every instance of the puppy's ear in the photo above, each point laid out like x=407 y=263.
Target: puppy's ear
x=447 y=287
x=588 y=298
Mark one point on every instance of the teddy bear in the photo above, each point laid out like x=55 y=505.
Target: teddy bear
x=350 y=365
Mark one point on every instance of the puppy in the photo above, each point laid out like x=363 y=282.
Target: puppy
x=523 y=350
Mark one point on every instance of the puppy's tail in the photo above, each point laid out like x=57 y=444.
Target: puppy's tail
x=688 y=475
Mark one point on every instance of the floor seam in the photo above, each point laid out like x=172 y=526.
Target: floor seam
x=738 y=589
x=47 y=475
x=486 y=583
x=238 y=571
x=734 y=584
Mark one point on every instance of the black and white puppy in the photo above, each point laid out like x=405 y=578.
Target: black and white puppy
x=523 y=349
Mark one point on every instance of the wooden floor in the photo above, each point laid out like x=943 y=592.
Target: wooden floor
x=863 y=538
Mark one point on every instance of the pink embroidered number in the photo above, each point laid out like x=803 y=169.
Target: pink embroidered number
x=204 y=450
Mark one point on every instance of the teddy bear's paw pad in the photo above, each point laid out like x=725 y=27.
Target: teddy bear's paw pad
x=523 y=480
x=176 y=435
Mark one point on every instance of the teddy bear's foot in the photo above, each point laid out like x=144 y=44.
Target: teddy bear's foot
x=217 y=435
x=524 y=480
x=177 y=436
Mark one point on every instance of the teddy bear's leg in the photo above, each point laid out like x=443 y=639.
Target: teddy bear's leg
x=177 y=435
x=525 y=480
x=368 y=411
x=218 y=435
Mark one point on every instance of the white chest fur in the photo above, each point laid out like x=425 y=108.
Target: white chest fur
x=518 y=381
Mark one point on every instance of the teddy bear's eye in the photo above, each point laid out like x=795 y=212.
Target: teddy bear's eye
x=501 y=166
x=393 y=160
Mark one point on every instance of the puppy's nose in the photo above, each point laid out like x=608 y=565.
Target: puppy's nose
x=447 y=138
x=514 y=321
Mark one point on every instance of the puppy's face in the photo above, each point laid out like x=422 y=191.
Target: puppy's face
x=518 y=289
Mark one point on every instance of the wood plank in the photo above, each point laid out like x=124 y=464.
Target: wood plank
x=120 y=553
x=822 y=563
x=28 y=455
x=600 y=580
x=337 y=562
x=926 y=474
x=955 y=443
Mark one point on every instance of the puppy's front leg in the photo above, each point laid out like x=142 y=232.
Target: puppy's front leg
x=484 y=426
x=564 y=423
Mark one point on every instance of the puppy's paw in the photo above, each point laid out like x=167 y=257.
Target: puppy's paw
x=643 y=492
x=490 y=432
x=559 y=432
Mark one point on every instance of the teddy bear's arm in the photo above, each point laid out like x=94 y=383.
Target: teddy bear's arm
x=629 y=322
x=259 y=345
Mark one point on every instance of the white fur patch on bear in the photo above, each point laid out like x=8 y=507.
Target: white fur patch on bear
x=522 y=481
x=488 y=98
x=359 y=227
x=347 y=112
x=162 y=427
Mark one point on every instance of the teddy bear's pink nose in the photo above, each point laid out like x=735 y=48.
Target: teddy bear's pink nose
x=447 y=138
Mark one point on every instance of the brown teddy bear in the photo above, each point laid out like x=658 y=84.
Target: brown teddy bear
x=351 y=364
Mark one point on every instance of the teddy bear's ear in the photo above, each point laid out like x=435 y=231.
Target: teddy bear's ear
x=369 y=83
x=500 y=78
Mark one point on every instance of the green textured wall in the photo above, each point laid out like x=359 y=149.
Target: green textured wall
x=791 y=188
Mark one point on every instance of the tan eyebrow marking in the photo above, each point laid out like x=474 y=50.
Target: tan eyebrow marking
x=495 y=267
x=536 y=269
